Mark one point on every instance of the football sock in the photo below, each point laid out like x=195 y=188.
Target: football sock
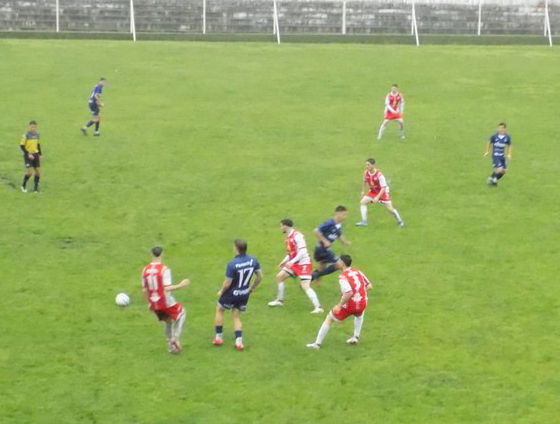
x=395 y=213
x=178 y=325
x=381 y=131
x=363 y=210
x=89 y=124
x=97 y=126
x=239 y=337
x=322 y=333
x=328 y=270
x=281 y=287
x=25 y=179
x=219 y=329
x=494 y=175
x=313 y=297
x=36 y=182
x=168 y=331
x=358 y=321
x=498 y=176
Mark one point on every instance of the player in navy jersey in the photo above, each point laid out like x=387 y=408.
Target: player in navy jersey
x=235 y=291
x=501 y=147
x=94 y=104
x=327 y=233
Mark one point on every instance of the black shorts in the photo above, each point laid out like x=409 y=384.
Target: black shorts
x=32 y=163
x=325 y=255
x=94 y=108
x=228 y=301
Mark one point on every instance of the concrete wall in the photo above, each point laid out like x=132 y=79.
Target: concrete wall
x=296 y=16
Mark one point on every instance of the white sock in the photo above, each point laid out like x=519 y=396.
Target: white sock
x=401 y=129
x=363 y=210
x=238 y=340
x=313 y=297
x=358 y=321
x=177 y=326
x=322 y=333
x=381 y=131
x=168 y=330
x=281 y=287
x=395 y=213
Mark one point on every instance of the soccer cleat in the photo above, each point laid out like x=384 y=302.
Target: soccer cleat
x=23 y=189
x=362 y=224
x=352 y=340
x=96 y=134
x=402 y=136
x=239 y=346
x=276 y=302
x=401 y=224
x=217 y=342
x=176 y=346
x=84 y=130
x=313 y=346
x=492 y=181
x=317 y=310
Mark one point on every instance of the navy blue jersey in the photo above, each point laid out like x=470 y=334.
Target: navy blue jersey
x=499 y=143
x=96 y=90
x=330 y=230
x=240 y=270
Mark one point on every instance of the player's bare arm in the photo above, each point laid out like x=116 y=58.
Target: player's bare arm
x=509 y=152
x=345 y=241
x=258 y=280
x=182 y=284
x=225 y=286
x=321 y=237
x=343 y=301
x=381 y=193
x=488 y=145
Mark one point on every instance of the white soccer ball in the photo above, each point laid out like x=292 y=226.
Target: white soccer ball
x=122 y=300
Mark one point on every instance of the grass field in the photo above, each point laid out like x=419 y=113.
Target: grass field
x=203 y=143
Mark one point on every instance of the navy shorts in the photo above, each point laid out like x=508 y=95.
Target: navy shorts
x=94 y=109
x=325 y=255
x=499 y=162
x=32 y=163
x=230 y=301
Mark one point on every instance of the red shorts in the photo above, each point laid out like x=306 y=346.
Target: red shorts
x=383 y=199
x=172 y=312
x=390 y=116
x=345 y=313
x=301 y=271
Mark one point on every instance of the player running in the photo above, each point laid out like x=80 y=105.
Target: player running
x=235 y=291
x=375 y=181
x=499 y=142
x=94 y=104
x=31 y=147
x=297 y=263
x=354 y=286
x=327 y=233
x=157 y=286
x=394 y=110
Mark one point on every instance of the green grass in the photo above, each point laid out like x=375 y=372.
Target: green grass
x=203 y=143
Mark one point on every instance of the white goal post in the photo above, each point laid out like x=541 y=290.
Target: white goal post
x=132 y=21
x=275 y=18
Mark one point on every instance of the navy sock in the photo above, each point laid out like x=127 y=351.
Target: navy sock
x=238 y=334
x=97 y=126
x=89 y=124
x=498 y=176
x=36 y=182
x=328 y=270
x=25 y=179
x=494 y=175
x=219 y=329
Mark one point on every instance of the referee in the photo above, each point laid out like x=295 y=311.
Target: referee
x=31 y=148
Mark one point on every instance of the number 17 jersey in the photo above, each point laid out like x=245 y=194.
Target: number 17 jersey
x=240 y=270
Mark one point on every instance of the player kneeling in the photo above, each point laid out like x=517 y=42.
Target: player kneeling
x=354 y=286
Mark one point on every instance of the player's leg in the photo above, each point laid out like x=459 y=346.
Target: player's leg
x=36 y=179
x=94 y=111
x=502 y=170
x=97 y=123
x=335 y=264
x=280 y=280
x=395 y=213
x=237 y=326
x=358 y=322
x=169 y=334
x=400 y=122
x=382 y=129
x=364 y=211
x=177 y=329
x=219 y=325
x=323 y=330
x=305 y=284
x=28 y=173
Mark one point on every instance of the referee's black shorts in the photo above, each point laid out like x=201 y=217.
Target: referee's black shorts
x=32 y=163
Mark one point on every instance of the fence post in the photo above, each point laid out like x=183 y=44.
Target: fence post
x=479 y=16
x=547 y=23
x=204 y=16
x=57 y=6
x=132 y=21
x=276 y=26
x=414 y=23
x=344 y=17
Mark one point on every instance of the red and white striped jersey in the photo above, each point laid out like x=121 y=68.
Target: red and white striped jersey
x=355 y=281
x=154 y=278
x=297 y=248
x=394 y=103
x=376 y=181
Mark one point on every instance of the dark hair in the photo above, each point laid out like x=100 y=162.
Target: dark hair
x=340 y=208
x=241 y=246
x=287 y=222
x=157 y=251
x=347 y=259
x=502 y=124
x=102 y=79
x=32 y=122
x=395 y=85
x=371 y=161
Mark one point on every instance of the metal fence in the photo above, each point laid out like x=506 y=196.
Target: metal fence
x=280 y=17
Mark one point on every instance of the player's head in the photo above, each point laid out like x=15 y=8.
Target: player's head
x=32 y=126
x=340 y=213
x=157 y=251
x=240 y=246
x=102 y=81
x=370 y=164
x=394 y=88
x=346 y=260
x=286 y=225
x=502 y=127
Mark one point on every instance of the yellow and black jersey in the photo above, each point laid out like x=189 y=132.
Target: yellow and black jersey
x=30 y=141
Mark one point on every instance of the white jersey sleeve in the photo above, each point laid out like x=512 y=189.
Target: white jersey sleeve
x=301 y=248
x=401 y=108
x=388 y=107
x=382 y=181
x=166 y=277
x=344 y=285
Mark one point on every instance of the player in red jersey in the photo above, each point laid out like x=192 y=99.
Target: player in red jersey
x=354 y=286
x=378 y=192
x=297 y=263
x=394 y=110
x=157 y=285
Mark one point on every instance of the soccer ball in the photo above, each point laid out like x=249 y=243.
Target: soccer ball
x=122 y=300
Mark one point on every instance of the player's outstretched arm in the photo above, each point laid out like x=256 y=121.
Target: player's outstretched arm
x=488 y=145
x=182 y=284
x=258 y=280
x=225 y=286
x=509 y=152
